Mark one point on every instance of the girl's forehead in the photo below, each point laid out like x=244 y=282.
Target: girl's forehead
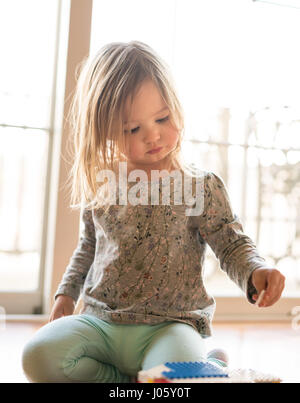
x=146 y=103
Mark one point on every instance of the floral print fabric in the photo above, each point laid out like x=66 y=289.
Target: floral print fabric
x=144 y=263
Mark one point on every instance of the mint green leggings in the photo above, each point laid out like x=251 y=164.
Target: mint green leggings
x=83 y=348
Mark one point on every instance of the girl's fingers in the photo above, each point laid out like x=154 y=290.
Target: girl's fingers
x=275 y=286
x=276 y=297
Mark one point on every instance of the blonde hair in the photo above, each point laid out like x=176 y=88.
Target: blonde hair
x=105 y=82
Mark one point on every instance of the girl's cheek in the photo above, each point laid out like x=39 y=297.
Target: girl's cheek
x=133 y=150
x=175 y=137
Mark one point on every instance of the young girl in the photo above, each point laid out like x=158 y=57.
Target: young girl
x=138 y=266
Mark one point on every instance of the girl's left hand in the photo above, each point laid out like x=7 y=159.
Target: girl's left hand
x=270 y=280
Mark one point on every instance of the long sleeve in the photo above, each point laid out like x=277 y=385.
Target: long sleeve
x=81 y=260
x=223 y=231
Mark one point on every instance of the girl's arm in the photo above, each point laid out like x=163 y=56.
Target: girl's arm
x=223 y=231
x=81 y=260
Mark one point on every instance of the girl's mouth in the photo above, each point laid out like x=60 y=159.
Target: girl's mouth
x=155 y=150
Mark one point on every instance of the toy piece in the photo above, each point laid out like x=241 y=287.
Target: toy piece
x=193 y=370
x=202 y=372
x=260 y=297
x=252 y=376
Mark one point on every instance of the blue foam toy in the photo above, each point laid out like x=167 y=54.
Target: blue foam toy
x=193 y=370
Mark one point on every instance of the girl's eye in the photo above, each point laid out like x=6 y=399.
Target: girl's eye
x=163 y=119
x=134 y=130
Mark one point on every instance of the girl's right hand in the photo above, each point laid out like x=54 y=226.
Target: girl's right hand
x=63 y=306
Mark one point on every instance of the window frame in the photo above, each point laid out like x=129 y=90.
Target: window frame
x=60 y=227
x=31 y=302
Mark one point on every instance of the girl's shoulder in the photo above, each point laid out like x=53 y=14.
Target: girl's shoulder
x=194 y=170
x=210 y=180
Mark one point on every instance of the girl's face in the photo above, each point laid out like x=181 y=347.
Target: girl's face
x=148 y=127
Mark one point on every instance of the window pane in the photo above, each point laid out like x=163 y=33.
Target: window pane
x=28 y=33
x=28 y=44
x=23 y=162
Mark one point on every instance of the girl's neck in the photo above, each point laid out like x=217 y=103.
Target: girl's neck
x=167 y=168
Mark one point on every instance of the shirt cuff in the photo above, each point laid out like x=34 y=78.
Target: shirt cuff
x=69 y=290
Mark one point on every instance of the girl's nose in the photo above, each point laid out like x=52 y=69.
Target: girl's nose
x=152 y=135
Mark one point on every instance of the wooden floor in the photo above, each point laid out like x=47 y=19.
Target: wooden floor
x=270 y=347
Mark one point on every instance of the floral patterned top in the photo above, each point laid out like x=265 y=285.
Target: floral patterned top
x=144 y=263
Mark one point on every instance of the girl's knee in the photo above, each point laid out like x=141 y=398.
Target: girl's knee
x=54 y=352
x=33 y=361
x=180 y=332
x=174 y=342
x=40 y=363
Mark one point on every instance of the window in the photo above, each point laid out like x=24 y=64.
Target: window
x=236 y=66
x=28 y=32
